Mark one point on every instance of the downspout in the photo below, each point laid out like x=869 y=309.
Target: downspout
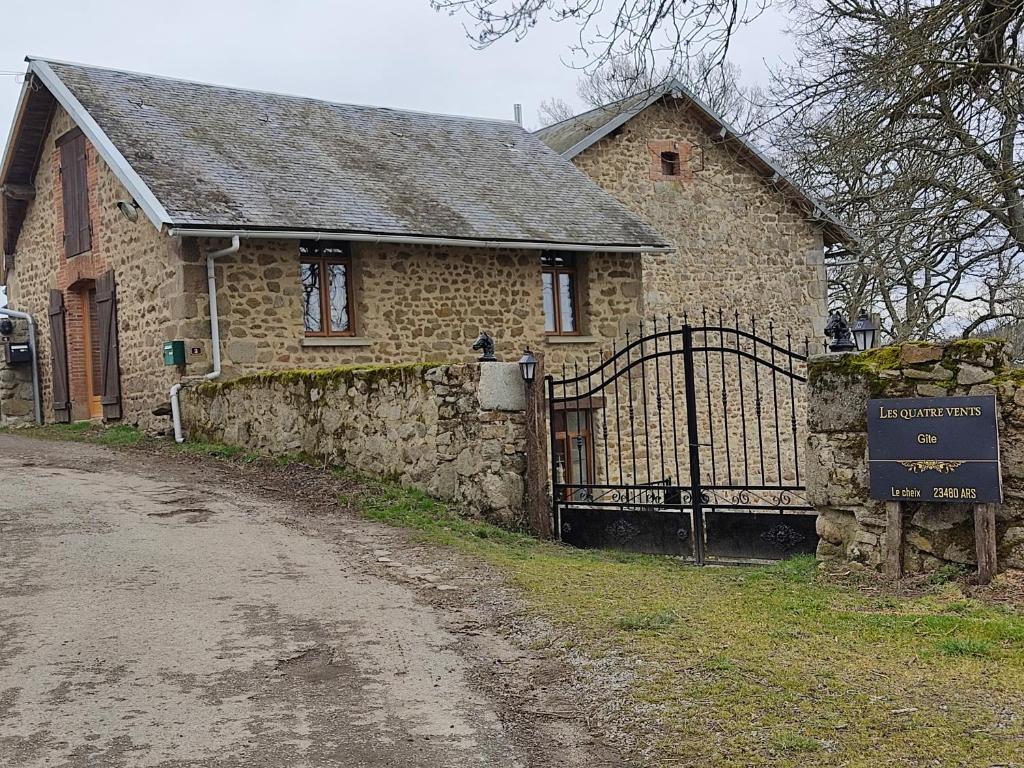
x=211 y=287
x=37 y=406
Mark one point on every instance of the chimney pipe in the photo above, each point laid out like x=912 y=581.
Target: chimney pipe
x=517 y=110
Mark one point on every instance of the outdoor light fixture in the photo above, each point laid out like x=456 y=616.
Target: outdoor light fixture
x=129 y=209
x=864 y=332
x=528 y=366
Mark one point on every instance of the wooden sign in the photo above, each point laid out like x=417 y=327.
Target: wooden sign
x=941 y=449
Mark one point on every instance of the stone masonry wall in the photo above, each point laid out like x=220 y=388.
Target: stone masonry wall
x=740 y=244
x=456 y=432
x=851 y=525
x=151 y=278
x=16 y=385
x=412 y=304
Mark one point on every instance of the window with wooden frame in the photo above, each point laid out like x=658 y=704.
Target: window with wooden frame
x=559 y=276
x=574 y=448
x=75 y=193
x=325 y=271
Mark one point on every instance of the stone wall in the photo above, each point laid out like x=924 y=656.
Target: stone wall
x=16 y=403
x=740 y=244
x=456 y=432
x=413 y=303
x=151 y=278
x=852 y=526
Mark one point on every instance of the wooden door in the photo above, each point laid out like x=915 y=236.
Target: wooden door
x=91 y=344
x=59 y=358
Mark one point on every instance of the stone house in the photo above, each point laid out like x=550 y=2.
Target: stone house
x=345 y=235
x=333 y=234
x=745 y=237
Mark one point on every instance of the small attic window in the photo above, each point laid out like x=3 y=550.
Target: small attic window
x=670 y=164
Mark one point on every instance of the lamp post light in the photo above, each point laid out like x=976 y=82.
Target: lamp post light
x=864 y=332
x=528 y=366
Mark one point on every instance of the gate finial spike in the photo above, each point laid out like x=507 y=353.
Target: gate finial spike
x=686 y=317
x=669 y=321
x=654 y=322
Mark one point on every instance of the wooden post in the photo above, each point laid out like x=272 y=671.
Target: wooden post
x=985 y=541
x=893 y=551
x=538 y=510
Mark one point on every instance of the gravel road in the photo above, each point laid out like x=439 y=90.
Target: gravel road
x=160 y=612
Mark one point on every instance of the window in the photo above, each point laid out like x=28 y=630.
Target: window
x=574 y=449
x=558 y=275
x=326 y=274
x=74 y=193
x=669 y=163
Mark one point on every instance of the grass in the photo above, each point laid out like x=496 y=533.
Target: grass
x=769 y=666
x=118 y=435
x=742 y=667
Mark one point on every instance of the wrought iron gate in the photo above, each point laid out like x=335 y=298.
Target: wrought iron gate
x=685 y=440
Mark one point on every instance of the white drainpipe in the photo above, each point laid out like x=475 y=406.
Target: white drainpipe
x=37 y=406
x=211 y=287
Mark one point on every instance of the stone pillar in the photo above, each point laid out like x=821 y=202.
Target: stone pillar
x=16 y=386
x=855 y=529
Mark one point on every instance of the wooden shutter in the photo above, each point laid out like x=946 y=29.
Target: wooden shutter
x=59 y=358
x=110 y=365
x=75 y=194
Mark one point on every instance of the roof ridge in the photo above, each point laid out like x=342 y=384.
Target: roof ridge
x=330 y=102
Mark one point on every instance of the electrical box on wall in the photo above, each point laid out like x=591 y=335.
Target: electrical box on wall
x=174 y=352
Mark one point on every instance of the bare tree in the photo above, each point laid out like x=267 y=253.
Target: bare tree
x=718 y=85
x=647 y=32
x=554 y=110
x=904 y=116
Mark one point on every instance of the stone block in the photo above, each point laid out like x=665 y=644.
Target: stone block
x=501 y=387
x=915 y=354
x=937 y=373
x=837 y=402
x=969 y=375
x=931 y=390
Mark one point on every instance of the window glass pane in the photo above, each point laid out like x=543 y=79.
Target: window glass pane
x=565 y=303
x=549 y=302
x=310 y=275
x=338 y=292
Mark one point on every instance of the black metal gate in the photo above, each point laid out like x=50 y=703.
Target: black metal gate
x=686 y=440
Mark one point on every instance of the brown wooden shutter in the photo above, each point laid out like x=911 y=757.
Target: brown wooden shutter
x=59 y=358
x=75 y=194
x=110 y=364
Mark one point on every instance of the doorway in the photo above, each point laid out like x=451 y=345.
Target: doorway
x=92 y=360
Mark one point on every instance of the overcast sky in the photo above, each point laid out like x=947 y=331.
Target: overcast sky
x=396 y=53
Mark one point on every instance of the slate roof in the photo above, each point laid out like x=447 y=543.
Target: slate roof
x=226 y=158
x=563 y=136
x=574 y=135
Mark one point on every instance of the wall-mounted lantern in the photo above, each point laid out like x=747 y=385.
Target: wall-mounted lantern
x=865 y=334
x=528 y=366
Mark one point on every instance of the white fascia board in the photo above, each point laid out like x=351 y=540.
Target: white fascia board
x=122 y=169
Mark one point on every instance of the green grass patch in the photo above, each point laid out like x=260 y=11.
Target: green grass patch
x=647 y=621
x=767 y=666
x=214 y=450
x=434 y=520
x=965 y=646
x=86 y=432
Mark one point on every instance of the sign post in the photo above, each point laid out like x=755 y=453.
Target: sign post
x=936 y=449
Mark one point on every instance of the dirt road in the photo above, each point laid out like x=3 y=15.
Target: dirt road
x=153 y=613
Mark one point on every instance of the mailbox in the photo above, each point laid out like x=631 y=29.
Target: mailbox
x=15 y=352
x=174 y=353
